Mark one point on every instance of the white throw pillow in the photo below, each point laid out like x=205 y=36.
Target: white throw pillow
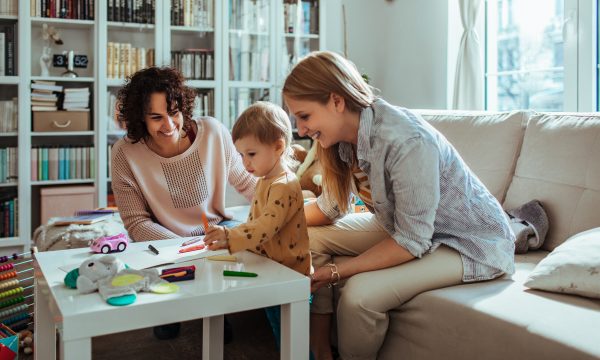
x=573 y=267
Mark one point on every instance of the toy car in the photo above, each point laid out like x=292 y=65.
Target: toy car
x=106 y=244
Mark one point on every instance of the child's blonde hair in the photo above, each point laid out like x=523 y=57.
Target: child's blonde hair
x=268 y=123
x=315 y=78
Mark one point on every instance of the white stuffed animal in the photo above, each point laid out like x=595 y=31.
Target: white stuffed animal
x=93 y=271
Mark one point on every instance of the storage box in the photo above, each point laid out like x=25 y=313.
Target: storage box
x=65 y=201
x=61 y=120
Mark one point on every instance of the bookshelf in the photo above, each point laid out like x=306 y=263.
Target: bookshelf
x=233 y=52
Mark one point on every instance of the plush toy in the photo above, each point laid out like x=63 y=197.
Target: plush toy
x=117 y=284
x=309 y=172
x=26 y=341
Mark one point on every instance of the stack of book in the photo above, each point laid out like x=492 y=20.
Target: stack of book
x=44 y=95
x=76 y=99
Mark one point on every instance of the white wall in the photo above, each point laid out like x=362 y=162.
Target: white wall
x=400 y=44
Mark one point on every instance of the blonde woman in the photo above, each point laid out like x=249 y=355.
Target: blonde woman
x=432 y=223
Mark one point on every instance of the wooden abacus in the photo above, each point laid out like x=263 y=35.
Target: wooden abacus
x=14 y=302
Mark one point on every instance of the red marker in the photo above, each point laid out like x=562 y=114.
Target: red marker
x=192 y=248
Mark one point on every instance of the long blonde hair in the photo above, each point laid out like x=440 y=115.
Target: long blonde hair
x=315 y=78
x=268 y=123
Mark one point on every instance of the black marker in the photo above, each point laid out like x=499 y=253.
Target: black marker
x=153 y=249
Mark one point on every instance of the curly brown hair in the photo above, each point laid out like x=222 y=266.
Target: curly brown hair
x=134 y=98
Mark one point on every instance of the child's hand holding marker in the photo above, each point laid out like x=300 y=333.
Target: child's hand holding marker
x=216 y=238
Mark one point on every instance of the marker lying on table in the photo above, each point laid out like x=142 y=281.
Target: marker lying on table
x=191 y=241
x=239 y=273
x=153 y=249
x=222 y=258
x=192 y=248
x=178 y=273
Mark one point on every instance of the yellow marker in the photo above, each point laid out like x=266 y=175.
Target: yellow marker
x=222 y=258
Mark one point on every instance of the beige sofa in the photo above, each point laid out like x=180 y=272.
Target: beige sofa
x=520 y=156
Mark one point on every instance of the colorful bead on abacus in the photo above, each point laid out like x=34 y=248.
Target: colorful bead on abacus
x=6 y=267
x=16 y=319
x=11 y=302
x=11 y=292
x=14 y=310
x=15 y=256
x=8 y=275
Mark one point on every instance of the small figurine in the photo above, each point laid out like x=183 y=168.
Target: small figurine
x=106 y=244
x=45 y=61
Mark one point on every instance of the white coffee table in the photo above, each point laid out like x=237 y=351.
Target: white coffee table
x=78 y=318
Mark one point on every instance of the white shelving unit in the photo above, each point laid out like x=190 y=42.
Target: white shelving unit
x=231 y=93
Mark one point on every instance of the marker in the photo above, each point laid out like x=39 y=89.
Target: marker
x=222 y=258
x=192 y=248
x=204 y=221
x=190 y=268
x=177 y=274
x=191 y=241
x=153 y=249
x=239 y=273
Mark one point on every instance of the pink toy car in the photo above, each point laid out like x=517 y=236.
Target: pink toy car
x=106 y=244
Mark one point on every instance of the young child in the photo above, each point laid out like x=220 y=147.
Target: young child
x=276 y=226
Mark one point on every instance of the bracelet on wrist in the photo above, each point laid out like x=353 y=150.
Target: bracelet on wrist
x=335 y=275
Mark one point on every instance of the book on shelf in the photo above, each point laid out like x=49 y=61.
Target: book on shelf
x=138 y=11
x=8 y=48
x=43 y=108
x=8 y=115
x=46 y=85
x=9 y=7
x=86 y=219
x=63 y=9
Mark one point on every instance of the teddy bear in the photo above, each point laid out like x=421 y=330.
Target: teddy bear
x=309 y=172
x=117 y=284
x=26 y=341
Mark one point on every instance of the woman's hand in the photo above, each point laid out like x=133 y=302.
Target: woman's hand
x=321 y=277
x=216 y=238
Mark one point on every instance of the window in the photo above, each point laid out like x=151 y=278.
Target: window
x=535 y=55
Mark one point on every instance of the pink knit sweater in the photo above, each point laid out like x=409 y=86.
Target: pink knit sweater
x=161 y=198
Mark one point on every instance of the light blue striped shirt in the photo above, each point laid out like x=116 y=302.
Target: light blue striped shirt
x=424 y=194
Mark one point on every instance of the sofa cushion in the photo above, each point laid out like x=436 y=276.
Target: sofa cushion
x=571 y=268
x=488 y=142
x=498 y=319
x=559 y=165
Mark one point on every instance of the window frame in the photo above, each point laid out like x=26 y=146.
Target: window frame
x=581 y=64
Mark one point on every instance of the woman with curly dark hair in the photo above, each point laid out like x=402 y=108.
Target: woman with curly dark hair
x=171 y=168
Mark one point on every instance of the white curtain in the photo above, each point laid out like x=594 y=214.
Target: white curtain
x=468 y=82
